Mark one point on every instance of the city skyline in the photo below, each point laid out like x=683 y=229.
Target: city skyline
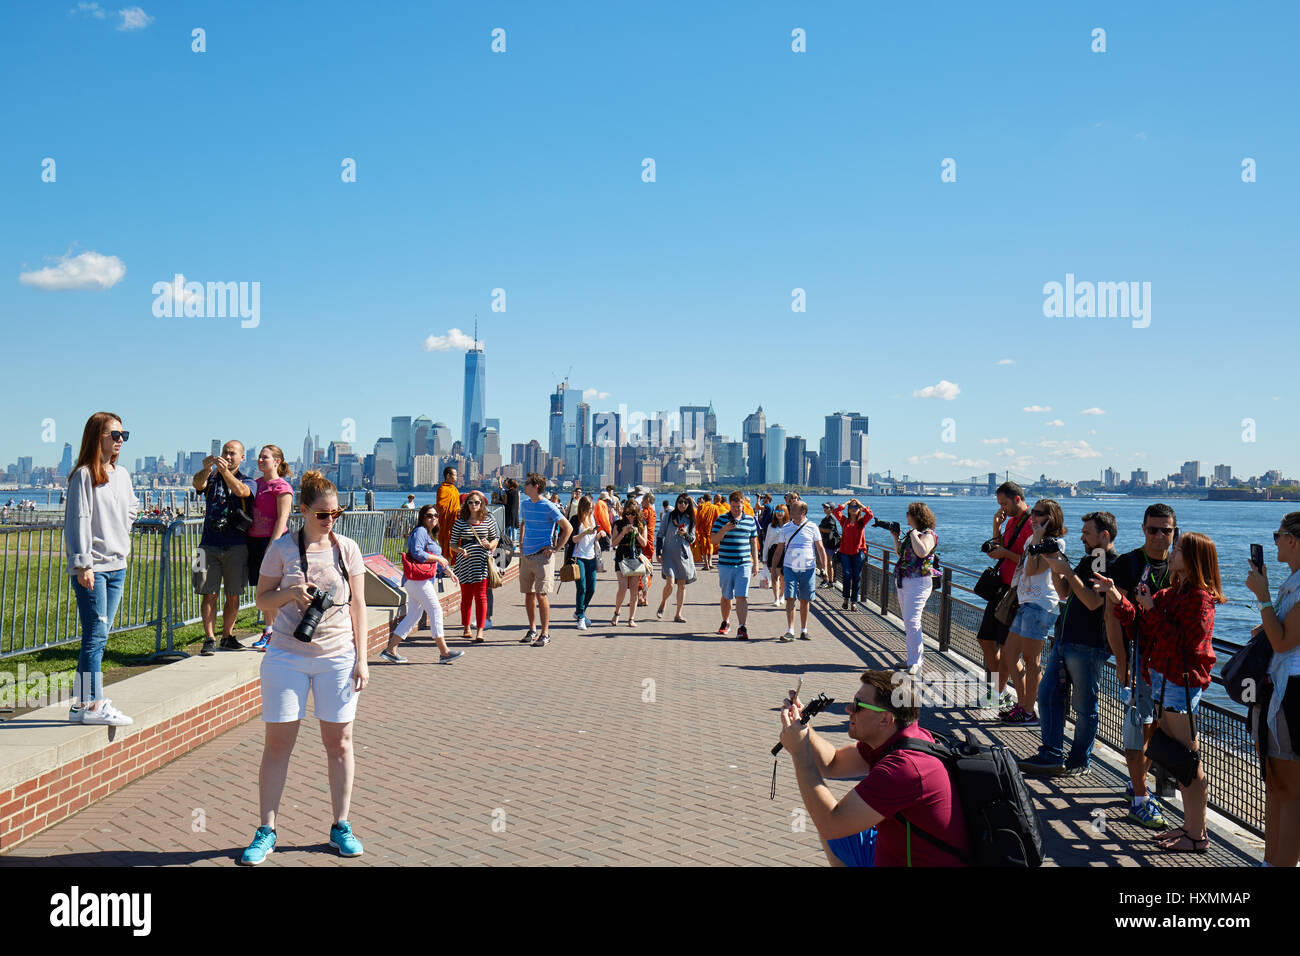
x=1041 y=277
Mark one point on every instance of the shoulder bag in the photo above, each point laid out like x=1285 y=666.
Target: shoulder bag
x=633 y=567
x=494 y=577
x=1176 y=757
x=990 y=585
x=1245 y=673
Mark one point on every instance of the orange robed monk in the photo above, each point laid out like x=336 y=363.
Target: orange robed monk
x=704 y=515
x=448 y=508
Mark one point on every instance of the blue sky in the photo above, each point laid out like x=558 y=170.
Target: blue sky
x=775 y=170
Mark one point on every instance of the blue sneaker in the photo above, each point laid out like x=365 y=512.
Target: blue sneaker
x=262 y=846
x=261 y=642
x=343 y=840
x=1148 y=814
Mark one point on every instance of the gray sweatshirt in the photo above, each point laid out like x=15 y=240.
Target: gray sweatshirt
x=97 y=521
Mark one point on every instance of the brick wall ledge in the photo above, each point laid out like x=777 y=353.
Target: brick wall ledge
x=51 y=768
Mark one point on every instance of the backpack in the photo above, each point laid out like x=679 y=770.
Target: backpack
x=1001 y=821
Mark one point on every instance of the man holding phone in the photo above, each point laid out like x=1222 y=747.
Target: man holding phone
x=1145 y=567
x=222 y=555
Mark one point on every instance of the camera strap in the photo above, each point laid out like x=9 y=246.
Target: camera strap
x=338 y=555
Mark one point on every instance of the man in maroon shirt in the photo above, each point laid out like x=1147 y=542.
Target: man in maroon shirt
x=915 y=785
x=1011 y=531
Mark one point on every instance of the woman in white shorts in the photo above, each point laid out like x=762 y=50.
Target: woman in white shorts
x=331 y=663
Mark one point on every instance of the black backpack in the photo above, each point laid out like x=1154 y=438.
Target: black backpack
x=1001 y=821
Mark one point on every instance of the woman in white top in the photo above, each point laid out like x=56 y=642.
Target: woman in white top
x=1037 y=613
x=779 y=517
x=97 y=523
x=1275 y=718
x=583 y=550
x=330 y=662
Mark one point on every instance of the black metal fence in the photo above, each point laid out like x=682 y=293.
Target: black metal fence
x=952 y=617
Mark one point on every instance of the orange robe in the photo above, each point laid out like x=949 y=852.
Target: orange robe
x=648 y=549
x=704 y=515
x=448 y=511
x=601 y=511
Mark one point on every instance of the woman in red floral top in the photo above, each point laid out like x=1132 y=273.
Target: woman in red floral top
x=1179 y=661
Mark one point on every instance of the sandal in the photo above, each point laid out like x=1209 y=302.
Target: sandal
x=631 y=623
x=659 y=614
x=613 y=621
x=679 y=619
x=1186 y=844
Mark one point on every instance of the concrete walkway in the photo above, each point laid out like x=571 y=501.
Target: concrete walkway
x=625 y=746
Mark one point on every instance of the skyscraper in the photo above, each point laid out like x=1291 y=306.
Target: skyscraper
x=473 y=421
x=795 y=446
x=400 y=431
x=774 y=448
x=693 y=429
x=566 y=426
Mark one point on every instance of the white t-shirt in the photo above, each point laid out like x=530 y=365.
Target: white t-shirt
x=799 y=540
x=1037 y=588
x=584 y=546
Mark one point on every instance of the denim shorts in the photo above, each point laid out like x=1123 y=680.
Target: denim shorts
x=799 y=584
x=1033 y=622
x=734 y=580
x=858 y=849
x=1175 y=694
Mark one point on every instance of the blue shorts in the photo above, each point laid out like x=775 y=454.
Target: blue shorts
x=799 y=584
x=734 y=580
x=859 y=849
x=1175 y=694
x=1033 y=622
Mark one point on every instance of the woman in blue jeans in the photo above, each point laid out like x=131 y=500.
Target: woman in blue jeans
x=583 y=545
x=100 y=510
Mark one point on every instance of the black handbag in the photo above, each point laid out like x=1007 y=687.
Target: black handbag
x=1244 y=674
x=990 y=586
x=1180 y=761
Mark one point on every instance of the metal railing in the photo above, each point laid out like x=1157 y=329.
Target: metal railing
x=1227 y=750
x=38 y=609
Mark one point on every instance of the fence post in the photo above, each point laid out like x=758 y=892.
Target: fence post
x=884 y=583
x=166 y=599
x=945 y=611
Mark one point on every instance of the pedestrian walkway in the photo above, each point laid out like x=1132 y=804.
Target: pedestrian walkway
x=616 y=745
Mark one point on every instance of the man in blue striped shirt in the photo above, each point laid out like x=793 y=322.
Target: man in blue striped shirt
x=736 y=536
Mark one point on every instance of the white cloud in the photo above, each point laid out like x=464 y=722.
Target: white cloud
x=1005 y=362
x=1069 y=450
x=1055 y=423
x=454 y=339
x=933 y=456
x=1092 y=431
x=134 y=18
x=1008 y=453
x=945 y=390
x=970 y=463
x=589 y=393
x=85 y=271
x=995 y=441
x=1038 y=408
x=1093 y=411
x=90 y=10
x=173 y=299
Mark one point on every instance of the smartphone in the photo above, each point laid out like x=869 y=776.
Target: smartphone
x=794 y=694
x=1257 y=556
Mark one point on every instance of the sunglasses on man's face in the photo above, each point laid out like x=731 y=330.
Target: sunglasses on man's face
x=854 y=705
x=119 y=436
x=1152 y=529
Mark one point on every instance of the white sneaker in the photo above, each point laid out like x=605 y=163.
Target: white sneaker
x=106 y=713
x=582 y=623
x=586 y=621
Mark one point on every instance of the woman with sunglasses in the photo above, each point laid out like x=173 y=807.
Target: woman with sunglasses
x=1034 y=581
x=422 y=548
x=473 y=539
x=629 y=534
x=97 y=521
x=780 y=515
x=676 y=563
x=299 y=572
x=1275 y=716
x=272 y=502
x=1178 y=662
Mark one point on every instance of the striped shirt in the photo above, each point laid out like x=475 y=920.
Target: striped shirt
x=734 y=549
x=471 y=563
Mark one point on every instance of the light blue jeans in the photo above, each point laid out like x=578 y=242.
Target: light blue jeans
x=96 y=607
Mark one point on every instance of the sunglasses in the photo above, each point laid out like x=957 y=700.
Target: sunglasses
x=119 y=436
x=1037 y=513
x=855 y=705
x=327 y=515
x=1278 y=534
x=1151 y=529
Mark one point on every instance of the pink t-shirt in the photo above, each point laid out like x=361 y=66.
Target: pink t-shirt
x=918 y=786
x=265 y=505
x=333 y=637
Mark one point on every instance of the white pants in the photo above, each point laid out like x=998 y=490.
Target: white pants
x=423 y=597
x=911 y=602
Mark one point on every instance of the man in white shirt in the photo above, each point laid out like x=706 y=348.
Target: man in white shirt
x=800 y=553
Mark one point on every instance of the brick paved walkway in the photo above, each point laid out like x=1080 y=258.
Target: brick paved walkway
x=610 y=746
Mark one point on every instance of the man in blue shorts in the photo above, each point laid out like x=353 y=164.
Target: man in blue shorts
x=735 y=534
x=800 y=554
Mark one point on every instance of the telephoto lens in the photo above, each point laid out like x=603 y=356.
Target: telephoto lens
x=321 y=601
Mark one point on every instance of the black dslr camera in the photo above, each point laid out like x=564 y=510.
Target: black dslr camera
x=321 y=601
x=892 y=527
x=989 y=545
x=1044 y=547
x=810 y=710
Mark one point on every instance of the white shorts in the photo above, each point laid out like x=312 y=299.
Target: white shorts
x=286 y=678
